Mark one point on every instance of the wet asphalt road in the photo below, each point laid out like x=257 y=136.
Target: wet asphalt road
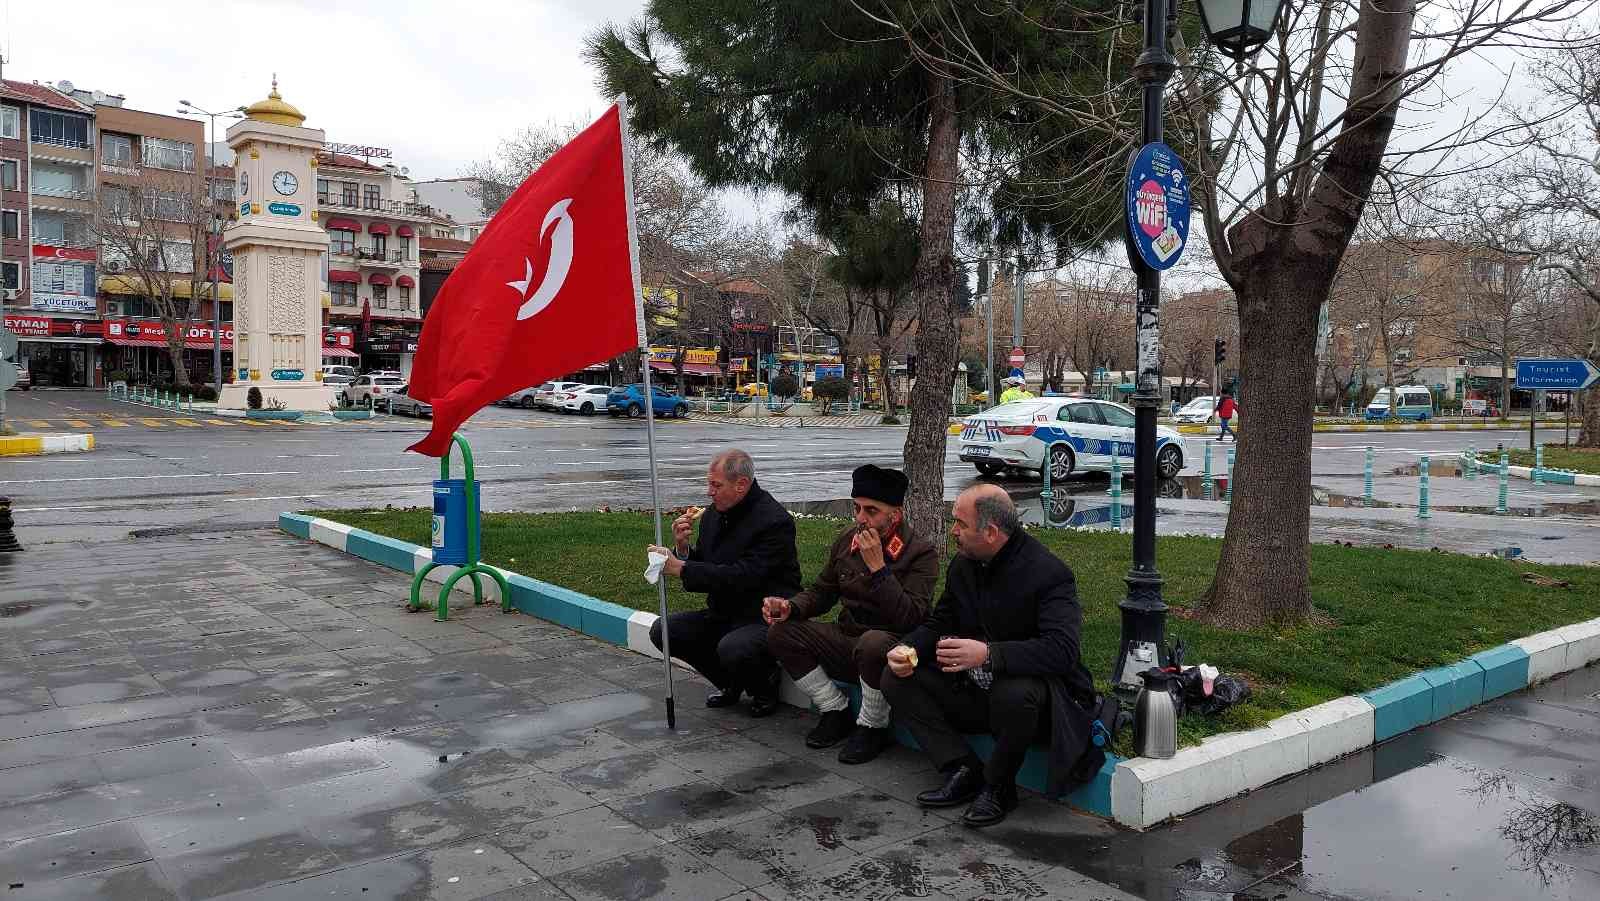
x=159 y=470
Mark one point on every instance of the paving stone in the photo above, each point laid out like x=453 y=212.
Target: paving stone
x=249 y=865
x=687 y=810
x=67 y=854
x=314 y=764
x=658 y=874
x=868 y=820
x=453 y=873
x=557 y=844
x=630 y=774
x=761 y=850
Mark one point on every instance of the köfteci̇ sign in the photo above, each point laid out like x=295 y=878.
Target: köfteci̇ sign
x=149 y=328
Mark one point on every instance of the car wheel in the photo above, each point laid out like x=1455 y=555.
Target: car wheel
x=680 y=411
x=527 y=402
x=1062 y=463
x=588 y=410
x=1169 y=462
x=988 y=469
x=635 y=411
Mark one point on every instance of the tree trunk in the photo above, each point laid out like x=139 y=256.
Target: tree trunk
x=886 y=373
x=1505 y=386
x=180 y=375
x=1588 y=410
x=936 y=316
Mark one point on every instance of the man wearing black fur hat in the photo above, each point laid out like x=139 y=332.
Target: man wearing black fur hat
x=884 y=576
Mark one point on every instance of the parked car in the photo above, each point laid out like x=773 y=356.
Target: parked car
x=524 y=398
x=546 y=398
x=629 y=399
x=349 y=372
x=1410 y=402
x=1079 y=434
x=336 y=381
x=1200 y=410
x=368 y=390
x=586 y=399
x=400 y=403
x=24 y=379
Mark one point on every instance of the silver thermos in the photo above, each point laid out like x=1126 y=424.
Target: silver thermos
x=1155 y=718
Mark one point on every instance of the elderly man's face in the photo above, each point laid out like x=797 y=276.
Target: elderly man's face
x=873 y=514
x=725 y=492
x=972 y=542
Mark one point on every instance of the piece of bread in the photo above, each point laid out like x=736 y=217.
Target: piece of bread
x=694 y=513
x=911 y=655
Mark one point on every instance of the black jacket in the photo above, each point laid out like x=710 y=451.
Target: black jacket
x=744 y=555
x=1024 y=604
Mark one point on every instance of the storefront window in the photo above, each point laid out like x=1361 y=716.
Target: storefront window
x=10 y=276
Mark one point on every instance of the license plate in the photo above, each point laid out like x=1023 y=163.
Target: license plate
x=977 y=451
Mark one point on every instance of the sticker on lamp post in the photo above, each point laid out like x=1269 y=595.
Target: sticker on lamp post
x=1158 y=205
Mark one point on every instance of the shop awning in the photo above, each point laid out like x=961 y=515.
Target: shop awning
x=703 y=369
x=141 y=341
x=405 y=281
x=340 y=275
x=205 y=344
x=344 y=225
x=133 y=286
x=334 y=352
x=405 y=231
x=378 y=278
x=378 y=228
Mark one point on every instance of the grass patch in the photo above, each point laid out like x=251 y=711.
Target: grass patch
x=1577 y=459
x=1388 y=613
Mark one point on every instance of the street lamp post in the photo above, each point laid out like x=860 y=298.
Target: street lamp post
x=1236 y=28
x=214 y=244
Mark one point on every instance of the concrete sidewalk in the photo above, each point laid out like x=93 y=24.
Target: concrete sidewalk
x=245 y=715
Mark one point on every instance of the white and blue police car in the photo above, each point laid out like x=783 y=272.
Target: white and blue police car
x=1081 y=434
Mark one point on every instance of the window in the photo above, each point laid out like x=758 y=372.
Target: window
x=1489 y=273
x=1417 y=399
x=1116 y=416
x=117 y=201
x=380 y=243
x=166 y=206
x=369 y=197
x=116 y=149
x=8 y=175
x=347 y=193
x=405 y=298
x=1080 y=413
x=380 y=296
x=54 y=180
x=10 y=224
x=65 y=129
x=342 y=242
x=10 y=276
x=60 y=229
x=162 y=153
x=344 y=294
x=322 y=190
x=222 y=189
x=10 y=122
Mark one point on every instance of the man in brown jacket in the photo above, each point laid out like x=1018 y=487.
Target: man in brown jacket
x=884 y=576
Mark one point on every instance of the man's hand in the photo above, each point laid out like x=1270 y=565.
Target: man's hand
x=776 y=610
x=902 y=660
x=959 y=654
x=673 y=566
x=871 y=548
x=682 y=527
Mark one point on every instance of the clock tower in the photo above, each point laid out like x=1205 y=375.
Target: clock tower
x=278 y=250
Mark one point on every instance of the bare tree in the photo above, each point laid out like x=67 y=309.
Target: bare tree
x=155 y=233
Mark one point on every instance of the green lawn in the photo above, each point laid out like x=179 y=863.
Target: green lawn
x=1577 y=459
x=1390 y=613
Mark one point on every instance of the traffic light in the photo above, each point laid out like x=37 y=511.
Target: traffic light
x=1222 y=350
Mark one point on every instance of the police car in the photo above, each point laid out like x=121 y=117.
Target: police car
x=1082 y=434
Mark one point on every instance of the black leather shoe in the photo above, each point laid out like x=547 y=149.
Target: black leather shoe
x=760 y=707
x=723 y=697
x=865 y=744
x=833 y=728
x=991 y=806
x=962 y=785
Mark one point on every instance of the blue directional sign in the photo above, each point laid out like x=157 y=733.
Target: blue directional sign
x=1556 y=375
x=1158 y=205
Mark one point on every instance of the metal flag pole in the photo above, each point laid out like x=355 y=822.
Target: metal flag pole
x=649 y=395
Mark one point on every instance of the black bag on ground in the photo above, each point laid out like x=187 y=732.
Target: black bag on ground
x=1226 y=691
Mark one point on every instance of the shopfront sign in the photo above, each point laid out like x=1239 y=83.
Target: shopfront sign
x=739 y=364
x=284 y=209
x=395 y=346
x=338 y=338
x=698 y=355
x=47 y=327
x=50 y=251
x=62 y=303
x=153 y=328
x=288 y=375
x=29 y=326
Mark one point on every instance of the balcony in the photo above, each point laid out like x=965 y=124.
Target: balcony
x=373 y=207
x=58 y=240
x=392 y=259
x=77 y=193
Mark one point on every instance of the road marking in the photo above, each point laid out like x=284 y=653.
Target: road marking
x=498 y=465
x=39 y=423
x=275 y=497
x=279 y=473
x=116 y=423
x=79 y=424
x=588 y=463
x=298 y=456
x=256 y=422
x=393 y=469
x=153 y=423
x=187 y=423
x=189 y=475
x=221 y=422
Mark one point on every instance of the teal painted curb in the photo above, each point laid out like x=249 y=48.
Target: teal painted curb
x=1505 y=670
x=382 y=550
x=1400 y=706
x=296 y=524
x=1455 y=688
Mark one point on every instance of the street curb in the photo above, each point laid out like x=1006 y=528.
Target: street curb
x=1496 y=426
x=618 y=625
x=1138 y=793
x=1550 y=476
x=36 y=445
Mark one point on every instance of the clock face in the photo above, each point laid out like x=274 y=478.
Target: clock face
x=285 y=183
x=244 y=184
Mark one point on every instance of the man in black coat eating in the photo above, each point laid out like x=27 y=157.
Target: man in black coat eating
x=746 y=552
x=999 y=654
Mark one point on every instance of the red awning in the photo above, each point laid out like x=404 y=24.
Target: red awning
x=344 y=225
x=405 y=281
x=205 y=344
x=405 y=231
x=688 y=368
x=141 y=341
x=378 y=228
x=377 y=278
x=338 y=352
x=340 y=275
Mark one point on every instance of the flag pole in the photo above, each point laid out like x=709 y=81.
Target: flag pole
x=649 y=394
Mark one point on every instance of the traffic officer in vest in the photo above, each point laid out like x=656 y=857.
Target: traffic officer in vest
x=1016 y=389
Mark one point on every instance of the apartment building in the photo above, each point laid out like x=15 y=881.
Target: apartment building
x=47 y=251
x=374 y=222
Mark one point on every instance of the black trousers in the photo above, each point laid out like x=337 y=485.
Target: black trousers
x=731 y=654
x=939 y=707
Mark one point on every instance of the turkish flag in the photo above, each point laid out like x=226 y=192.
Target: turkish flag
x=549 y=288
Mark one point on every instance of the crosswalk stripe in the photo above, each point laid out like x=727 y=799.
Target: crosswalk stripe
x=221 y=422
x=187 y=423
x=153 y=423
x=257 y=422
x=116 y=423
x=78 y=424
x=39 y=423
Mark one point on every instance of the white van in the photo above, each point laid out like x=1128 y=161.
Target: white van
x=1410 y=402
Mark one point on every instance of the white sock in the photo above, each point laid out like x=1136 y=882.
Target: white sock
x=822 y=691
x=874 y=708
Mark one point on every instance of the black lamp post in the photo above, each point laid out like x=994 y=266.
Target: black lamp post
x=1237 y=28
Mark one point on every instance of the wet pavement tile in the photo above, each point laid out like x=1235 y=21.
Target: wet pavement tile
x=65 y=854
x=249 y=865
x=627 y=775
x=759 y=851
x=891 y=876
x=567 y=750
x=788 y=783
x=314 y=764
x=557 y=844
x=517 y=802
x=390 y=830
x=684 y=811
x=454 y=873
x=134 y=882
x=665 y=873
x=41 y=780
x=868 y=820
x=650 y=732
x=362 y=792
x=112 y=737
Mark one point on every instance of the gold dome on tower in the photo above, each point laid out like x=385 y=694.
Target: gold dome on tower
x=274 y=109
